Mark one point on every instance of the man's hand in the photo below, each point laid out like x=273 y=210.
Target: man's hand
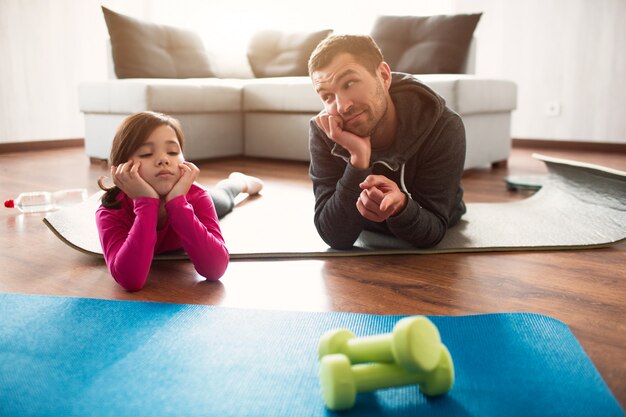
x=360 y=148
x=380 y=199
x=188 y=174
x=126 y=177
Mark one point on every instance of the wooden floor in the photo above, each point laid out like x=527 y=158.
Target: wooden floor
x=586 y=289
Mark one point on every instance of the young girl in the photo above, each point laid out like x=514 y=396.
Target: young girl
x=156 y=207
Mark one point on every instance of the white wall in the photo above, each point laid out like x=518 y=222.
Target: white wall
x=564 y=55
x=47 y=48
x=569 y=52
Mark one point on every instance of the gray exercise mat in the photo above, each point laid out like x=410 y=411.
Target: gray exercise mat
x=579 y=206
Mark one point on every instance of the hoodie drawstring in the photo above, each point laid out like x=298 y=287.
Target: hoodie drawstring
x=402 y=181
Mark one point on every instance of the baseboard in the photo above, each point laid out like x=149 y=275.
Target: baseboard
x=608 y=147
x=40 y=145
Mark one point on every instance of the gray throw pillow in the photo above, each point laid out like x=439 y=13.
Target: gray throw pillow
x=147 y=50
x=274 y=53
x=425 y=44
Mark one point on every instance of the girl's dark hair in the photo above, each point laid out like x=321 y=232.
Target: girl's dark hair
x=361 y=47
x=130 y=135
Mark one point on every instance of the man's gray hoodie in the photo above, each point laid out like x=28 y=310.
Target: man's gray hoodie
x=426 y=161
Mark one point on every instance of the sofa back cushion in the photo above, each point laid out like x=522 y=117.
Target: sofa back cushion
x=273 y=53
x=147 y=50
x=425 y=44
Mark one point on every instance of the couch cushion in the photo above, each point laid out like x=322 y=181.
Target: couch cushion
x=193 y=95
x=147 y=50
x=282 y=54
x=281 y=94
x=470 y=94
x=465 y=94
x=425 y=44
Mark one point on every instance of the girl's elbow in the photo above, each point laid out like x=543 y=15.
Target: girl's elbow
x=212 y=274
x=130 y=282
x=213 y=278
x=131 y=285
x=213 y=271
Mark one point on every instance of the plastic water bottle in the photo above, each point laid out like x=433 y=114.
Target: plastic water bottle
x=41 y=201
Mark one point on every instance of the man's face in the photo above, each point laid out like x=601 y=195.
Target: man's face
x=349 y=91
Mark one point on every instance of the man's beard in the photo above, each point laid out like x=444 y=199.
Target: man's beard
x=370 y=125
x=368 y=128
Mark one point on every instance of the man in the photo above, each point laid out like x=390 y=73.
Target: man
x=386 y=153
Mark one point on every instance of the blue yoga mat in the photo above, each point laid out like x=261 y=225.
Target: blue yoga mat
x=86 y=357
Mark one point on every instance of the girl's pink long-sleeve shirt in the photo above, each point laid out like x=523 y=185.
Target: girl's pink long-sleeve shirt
x=130 y=238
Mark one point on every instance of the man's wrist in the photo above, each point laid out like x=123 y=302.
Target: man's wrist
x=401 y=206
x=360 y=162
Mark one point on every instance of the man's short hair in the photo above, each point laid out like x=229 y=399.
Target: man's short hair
x=361 y=47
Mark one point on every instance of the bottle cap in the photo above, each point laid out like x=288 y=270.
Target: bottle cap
x=9 y=204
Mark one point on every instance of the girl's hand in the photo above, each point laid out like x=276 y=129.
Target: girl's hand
x=188 y=174
x=126 y=177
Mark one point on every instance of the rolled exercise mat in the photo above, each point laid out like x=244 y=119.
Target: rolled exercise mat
x=67 y=357
x=579 y=206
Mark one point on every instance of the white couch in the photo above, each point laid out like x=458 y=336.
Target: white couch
x=269 y=117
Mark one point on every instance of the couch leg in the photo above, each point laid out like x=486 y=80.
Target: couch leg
x=500 y=164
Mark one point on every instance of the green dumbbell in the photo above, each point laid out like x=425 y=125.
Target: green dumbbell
x=341 y=381
x=414 y=344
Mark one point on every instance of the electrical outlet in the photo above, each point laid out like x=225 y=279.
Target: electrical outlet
x=552 y=108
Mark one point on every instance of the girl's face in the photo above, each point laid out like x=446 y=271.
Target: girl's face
x=160 y=155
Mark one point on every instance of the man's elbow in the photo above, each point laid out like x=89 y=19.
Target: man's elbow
x=338 y=243
x=431 y=239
